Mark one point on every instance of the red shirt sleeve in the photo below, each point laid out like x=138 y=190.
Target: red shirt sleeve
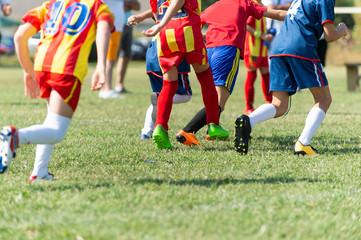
x=255 y=9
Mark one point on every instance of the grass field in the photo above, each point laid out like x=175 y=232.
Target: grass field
x=108 y=188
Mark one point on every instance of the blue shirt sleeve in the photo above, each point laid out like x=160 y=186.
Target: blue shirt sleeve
x=326 y=11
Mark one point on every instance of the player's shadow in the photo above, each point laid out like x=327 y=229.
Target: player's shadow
x=22 y=103
x=224 y=181
x=47 y=186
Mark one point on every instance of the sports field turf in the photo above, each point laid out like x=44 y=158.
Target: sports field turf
x=111 y=185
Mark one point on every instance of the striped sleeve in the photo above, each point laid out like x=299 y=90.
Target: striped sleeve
x=36 y=16
x=104 y=14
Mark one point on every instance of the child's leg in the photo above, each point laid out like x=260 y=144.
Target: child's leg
x=313 y=121
x=322 y=97
x=178 y=98
x=54 y=127
x=267 y=111
x=165 y=98
x=148 y=122
x=249 y=88
x=200 y=119
x=51 y=131
x=42 y=158
x=244 y=123
x=209 y=93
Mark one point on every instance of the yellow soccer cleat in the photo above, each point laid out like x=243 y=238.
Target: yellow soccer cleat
x=304 y=150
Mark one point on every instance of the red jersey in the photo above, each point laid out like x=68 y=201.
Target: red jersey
x=183 y=33
x=254 y=45
x=227 y=21
x=68 y=32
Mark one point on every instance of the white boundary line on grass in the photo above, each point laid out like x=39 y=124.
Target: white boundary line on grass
x=343 y=10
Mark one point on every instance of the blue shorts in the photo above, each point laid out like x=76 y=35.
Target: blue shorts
x=289 y=73
x=152 y=62
x=224 y=62
x=156 y=81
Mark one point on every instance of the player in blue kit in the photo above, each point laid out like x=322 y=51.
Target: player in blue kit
x=295 y=64
x=183 y=94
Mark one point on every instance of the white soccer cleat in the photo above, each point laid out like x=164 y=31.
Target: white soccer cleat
x=8 y=144
x=110 y=94
x=47 y=177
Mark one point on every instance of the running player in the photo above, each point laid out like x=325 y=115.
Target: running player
x=58 y=72
x=183 y=94
x=295 y=64
x=180 y=37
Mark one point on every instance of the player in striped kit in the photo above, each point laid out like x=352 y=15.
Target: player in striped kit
x=69 y=28
x=180 y=37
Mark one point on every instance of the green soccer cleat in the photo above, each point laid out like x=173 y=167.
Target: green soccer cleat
x=301 y=149
x=161 y=138
x=217 y=132
x=242 y=134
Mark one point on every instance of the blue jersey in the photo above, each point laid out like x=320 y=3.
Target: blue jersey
x=302 y=28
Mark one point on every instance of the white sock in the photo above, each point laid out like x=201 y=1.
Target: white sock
x=181 y=98
x=51 y=131
x=313 y=121
x=148 y=123
x=42 y=158
x=262 y=113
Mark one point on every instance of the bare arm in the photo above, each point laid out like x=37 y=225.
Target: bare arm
x=171 y=11
x=279 y=15
x=332 y=34
x=281 y=7
x=135 y=19
x=21 y=37
x=264 y=36
x=102 y=42
x=6 y=8
x=131 y=5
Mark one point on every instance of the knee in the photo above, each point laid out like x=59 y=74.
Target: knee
x=57 y=135
x=281 y=109
x=324 y=103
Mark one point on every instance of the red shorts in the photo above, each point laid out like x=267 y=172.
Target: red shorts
x=197 y=56
x=68 y=86
x=261 y=62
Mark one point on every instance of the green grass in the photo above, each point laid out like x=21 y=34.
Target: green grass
x=105 y=188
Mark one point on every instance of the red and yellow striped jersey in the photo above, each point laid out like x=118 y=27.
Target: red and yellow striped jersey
x=254 y=46
x=68 y=32
x=183 y=31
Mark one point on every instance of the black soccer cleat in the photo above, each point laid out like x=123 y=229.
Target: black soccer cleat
x=242 y=134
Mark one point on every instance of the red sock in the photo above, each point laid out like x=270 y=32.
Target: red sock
x=265 y=87
x=165 y=102
x=210 y=96
x=249 y=89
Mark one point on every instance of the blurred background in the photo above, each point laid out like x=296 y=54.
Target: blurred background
x=346 y=50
